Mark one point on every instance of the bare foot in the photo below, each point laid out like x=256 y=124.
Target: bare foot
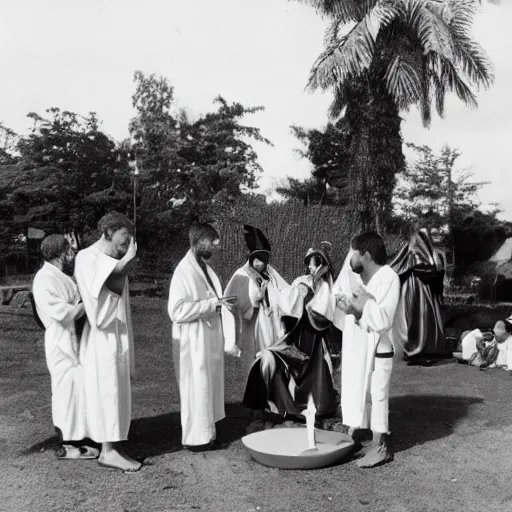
x=116 y=460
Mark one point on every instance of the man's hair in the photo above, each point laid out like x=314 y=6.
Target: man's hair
x=373 y=244
x=199 y=231
x=505 y=325
x=54 y=246
x=114 y=221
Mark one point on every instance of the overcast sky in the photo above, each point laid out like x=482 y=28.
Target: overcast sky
x=81 y=56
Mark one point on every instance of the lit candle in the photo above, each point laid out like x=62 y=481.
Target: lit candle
x=310 y=414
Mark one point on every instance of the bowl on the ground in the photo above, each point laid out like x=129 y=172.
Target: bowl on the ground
x=287 y=448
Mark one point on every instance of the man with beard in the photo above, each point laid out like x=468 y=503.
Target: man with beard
x=367 y=292
x=58 y=306
x=200 y=317
x=106 y=349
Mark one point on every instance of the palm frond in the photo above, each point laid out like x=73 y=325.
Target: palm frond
x=474 y=61
x=439 y=86
x=451 y=77
x=340 y=101
x=430 y=27
x=346 y=10
x=469 y=54
x=350 y=55
x=459 y=14
x=403 y=79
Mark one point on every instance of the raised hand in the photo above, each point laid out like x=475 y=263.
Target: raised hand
x=342 y=301
x=131 y=251
x=261 y=293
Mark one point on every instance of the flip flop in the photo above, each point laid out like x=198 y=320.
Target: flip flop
x=68 y=452
x=111 y=467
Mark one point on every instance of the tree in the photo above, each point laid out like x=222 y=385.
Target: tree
x=65 y=174
x=309 y=191
x=432 y=193
x=189 y=168
x=8 y=141
x=476 y=237
x=381 y=57
x=326 y=151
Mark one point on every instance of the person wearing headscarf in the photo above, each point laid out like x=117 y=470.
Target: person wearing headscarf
x=420 y=330
x=257 y=287
x=298 y=365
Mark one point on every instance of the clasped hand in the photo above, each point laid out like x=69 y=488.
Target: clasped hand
x=354 y=305
x=228 y=302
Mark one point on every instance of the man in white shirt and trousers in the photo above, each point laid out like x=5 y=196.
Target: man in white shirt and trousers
x=106 y=347
x=58 y=306
x=201 y=320
x=367 y=292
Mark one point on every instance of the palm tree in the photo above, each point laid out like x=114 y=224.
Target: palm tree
x=380 y=58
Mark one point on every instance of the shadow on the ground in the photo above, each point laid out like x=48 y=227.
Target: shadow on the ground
x=156 y=435
x=52 y=443
x=417 y=419
x=153 y=436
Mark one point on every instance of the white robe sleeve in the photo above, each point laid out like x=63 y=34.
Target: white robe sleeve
x=469 y=343
x=291 y=300
x=378 y=313
x=345 y=284
x=182 y=308
x=509 y=353
x=254 y=291
x=54 y=305
x=91 y=277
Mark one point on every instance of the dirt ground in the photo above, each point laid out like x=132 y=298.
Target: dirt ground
x=452 y=426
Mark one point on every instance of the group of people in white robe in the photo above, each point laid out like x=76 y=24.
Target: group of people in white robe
x=280 y=331
x=90 y=370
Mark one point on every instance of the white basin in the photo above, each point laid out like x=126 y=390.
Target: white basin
x=287 y=448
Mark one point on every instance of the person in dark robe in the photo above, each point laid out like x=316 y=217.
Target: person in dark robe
x=298 y=365
x=420 y=330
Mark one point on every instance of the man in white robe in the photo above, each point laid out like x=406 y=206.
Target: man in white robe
x=58 y=306
x=367 y=293
x=106 y=349
x=200 y=316
x=257 y=287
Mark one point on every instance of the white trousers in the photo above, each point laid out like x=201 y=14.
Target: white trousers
x=379 y=395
